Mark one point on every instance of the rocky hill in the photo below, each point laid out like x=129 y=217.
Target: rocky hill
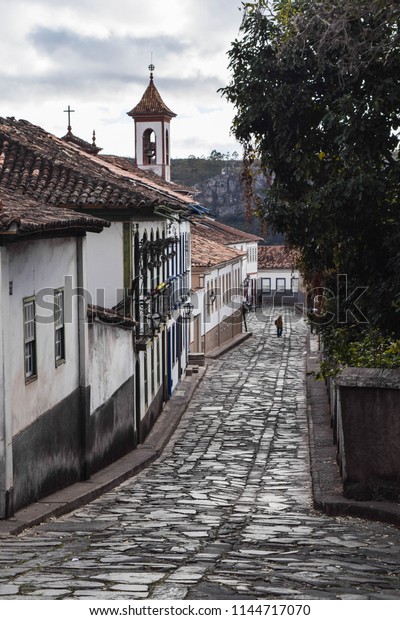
x=220 y=189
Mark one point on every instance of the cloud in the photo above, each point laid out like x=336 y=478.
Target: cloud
x=112 y=51
x=94 y=55
x=88 y=64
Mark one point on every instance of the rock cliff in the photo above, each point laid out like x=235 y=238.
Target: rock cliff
x=219 y=186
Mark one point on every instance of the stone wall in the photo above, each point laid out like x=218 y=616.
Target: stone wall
x=366 y=418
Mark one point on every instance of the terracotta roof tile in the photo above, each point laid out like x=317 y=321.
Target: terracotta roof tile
x=86 y=146
x=208 y=253
x=277 y=257
x=151 y=103
x=109 y=316
x=221 y=233
x=43 y=167
x=129 y=164
x=21 y=215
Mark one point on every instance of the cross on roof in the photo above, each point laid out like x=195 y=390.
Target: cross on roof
x=69 y=117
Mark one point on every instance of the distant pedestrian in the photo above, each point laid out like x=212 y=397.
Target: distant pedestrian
x=259 y=299
x=279 y=326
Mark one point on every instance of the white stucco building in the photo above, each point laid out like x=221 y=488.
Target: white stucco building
x=279 y=279
x=43 y=347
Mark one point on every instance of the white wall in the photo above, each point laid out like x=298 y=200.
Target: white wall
x=105 y=266
x=111 y=361
x=250 y=264
x=160 y=129
x=35 y=268
x=223 y=307
x=274 y=274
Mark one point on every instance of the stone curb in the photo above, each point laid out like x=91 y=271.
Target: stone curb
x=216 y=353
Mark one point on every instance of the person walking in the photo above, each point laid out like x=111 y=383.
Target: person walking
x=279 y=326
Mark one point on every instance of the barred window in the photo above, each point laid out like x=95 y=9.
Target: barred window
x=158 y=363
x=145 y=380
x=280 y=285
x=266 y=285
x=152 y=370
x=30 y=338
x=59 y=326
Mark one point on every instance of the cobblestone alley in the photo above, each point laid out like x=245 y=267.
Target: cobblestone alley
x=225 y=513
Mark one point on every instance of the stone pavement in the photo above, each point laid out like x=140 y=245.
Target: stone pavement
x=226 y=511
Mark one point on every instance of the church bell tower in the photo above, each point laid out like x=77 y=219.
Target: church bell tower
x=152 y=131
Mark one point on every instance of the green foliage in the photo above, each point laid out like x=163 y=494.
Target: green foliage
x=316 y=88
x=355 y=347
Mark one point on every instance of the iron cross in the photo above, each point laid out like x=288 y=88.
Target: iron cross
x=69 y=117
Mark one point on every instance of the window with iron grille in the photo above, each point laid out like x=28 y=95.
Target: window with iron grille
x=145 y=380
x=59 y=326
x=152 y=370
x=30 y=338
x=158 y=363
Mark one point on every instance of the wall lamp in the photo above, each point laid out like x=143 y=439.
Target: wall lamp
x=188 y=311
x=154 y=322
x=211 y=299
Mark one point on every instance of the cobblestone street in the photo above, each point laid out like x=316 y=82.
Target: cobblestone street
x=225 y=513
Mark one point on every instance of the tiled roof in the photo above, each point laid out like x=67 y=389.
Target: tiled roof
x=43 y=167
x=106 y=315
x=22 y=215
x=129 y=164
x=227 y=235
x=151 y=103
x=85 y=146
x=276 y=257
x=208 y=253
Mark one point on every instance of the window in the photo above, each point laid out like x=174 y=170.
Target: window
x=158 y=363
x=252 y=254
x=295 y=285
x=167 y=147
x=145 y=380
x=173 y=350
x=149 y=147
x=152 y=370
x=59 y=326
x=280 y=285
x=207 y=300
x=266 y=285
x=30 y=339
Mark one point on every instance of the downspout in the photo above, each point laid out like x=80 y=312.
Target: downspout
x=204 y=318
x=6 y=454
x=84 y=388
x=232 y=316
x=219 y=307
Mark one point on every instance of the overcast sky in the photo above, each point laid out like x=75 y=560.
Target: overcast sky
x=94 y=55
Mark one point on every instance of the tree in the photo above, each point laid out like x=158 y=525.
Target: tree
x=316 y=89
x=216 y=155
